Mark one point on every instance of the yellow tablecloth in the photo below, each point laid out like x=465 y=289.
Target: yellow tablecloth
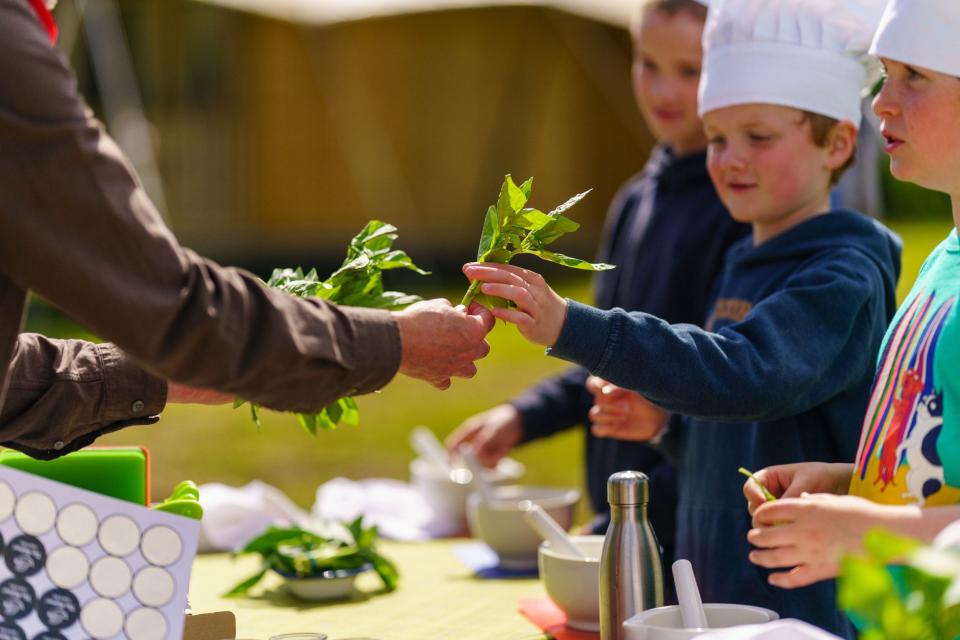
x=438 y=599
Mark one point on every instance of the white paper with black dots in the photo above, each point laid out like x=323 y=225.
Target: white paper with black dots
x=76 y=564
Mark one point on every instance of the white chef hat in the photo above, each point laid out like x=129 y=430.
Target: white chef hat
x=806 y=54
x=925 y=33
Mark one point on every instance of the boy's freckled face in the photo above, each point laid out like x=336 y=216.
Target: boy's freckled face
x=765 y=165
x=919 y=113
x=666 y=70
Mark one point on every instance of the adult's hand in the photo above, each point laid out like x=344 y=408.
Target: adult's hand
x=492 y=434
x=793 y=480
x=440 y=341
x=182 y=394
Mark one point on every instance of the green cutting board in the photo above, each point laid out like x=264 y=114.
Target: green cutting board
x=118 y=472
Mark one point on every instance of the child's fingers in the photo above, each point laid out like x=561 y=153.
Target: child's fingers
x=524 y=274
x=779 y=511
x=776 y=558
x=514 y=316
x=518 y=295
x=800 y=576
x=772 y=537
x=754 y=496
x=493 y=274
x=595 y=385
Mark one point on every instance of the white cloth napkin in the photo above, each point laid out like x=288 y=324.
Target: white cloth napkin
x=233 y=515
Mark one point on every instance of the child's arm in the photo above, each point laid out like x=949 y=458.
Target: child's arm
x=792 y=480
x=811 y=534
x=798 y=347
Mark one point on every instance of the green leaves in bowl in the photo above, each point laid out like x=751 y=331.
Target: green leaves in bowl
x=510 y=228
x=357 y=283
x=298 y=552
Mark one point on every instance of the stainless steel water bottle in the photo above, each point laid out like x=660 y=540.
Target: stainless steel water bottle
x=631 y=570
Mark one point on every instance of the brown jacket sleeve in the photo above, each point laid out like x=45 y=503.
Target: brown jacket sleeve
x=77 y=228
x=63 y=394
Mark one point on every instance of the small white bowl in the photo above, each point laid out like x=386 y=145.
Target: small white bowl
x=664 y=623
x=501 y=523
x=334 y=584
x=574 y=583
x=447 y=493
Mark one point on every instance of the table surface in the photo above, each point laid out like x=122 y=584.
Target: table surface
x=438 y=598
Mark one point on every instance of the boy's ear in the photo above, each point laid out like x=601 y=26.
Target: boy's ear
x=841 y=144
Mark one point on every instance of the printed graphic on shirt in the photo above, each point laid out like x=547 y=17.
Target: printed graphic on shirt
x=899 y=460
x=728 y=309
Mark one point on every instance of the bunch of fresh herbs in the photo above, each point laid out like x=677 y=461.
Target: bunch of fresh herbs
x=921 y=603
x=511 y=228
x=299 y=552
x=357 y=283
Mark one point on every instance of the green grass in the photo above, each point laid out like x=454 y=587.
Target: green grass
x=221 y=444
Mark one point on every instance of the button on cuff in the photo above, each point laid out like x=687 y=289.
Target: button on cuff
x=137 y=406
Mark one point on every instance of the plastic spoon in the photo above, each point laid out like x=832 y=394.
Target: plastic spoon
x=428 y=447
x=688 y=595
x=549 y=530
x=479 y=472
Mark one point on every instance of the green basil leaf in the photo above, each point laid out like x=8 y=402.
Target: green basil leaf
x=569 y=203
x=574 y=263
x=488 y=237
x=242 y=587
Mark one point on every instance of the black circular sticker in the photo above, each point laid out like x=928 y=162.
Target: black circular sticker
x=25 y=556
x=58 y=608
x=17 y=598
x=10 y=631
x=48 y=635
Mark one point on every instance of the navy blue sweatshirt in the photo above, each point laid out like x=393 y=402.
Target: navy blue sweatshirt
x=669 y=273
x=782 y=375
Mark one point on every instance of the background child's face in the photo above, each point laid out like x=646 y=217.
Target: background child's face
x=766 y=167
x=666 y=71
x=919 y=111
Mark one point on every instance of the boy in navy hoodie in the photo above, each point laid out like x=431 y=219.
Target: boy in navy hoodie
x=668 y=232
x=783 y=369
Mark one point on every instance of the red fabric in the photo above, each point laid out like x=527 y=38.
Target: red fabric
x=46 y=19
x=549 y=618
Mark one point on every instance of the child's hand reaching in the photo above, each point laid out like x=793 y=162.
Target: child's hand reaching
x=539 y=312
x=623 y=414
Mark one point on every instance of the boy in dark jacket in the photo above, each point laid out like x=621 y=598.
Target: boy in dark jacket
x=667 y=232
x=783 y=369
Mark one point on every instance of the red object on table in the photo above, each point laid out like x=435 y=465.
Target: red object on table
x=550 y=619
x=46 y=19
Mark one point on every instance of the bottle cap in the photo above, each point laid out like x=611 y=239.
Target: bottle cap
x=628 y=488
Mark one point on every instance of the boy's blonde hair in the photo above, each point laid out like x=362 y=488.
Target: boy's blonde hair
x=820 y=128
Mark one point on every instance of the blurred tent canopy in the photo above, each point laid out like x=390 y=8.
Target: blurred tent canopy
x=319 y=12
x=282 y=126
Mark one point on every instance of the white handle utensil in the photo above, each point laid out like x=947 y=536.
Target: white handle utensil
x=688 y=596
x=428 y=447
x=478 y=470
x=550 y=531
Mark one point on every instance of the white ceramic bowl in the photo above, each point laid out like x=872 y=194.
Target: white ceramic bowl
x=500 y=521
x=447 y=493
x=574 y=583
x=664 y=623
x=328 y=585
